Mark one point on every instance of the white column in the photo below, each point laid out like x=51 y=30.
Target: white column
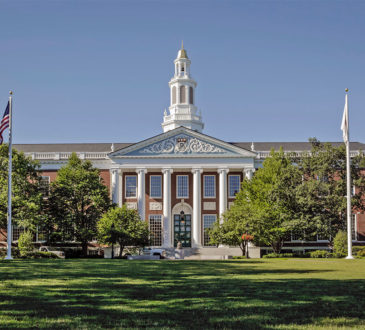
x=249 y=173
x=115 y=185
x=167 y=227
x=196 y=208
x=141 y=192
x=121 y=189
x=222 y=192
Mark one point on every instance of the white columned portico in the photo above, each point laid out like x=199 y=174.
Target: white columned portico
x=196 y=208
x=167 y=228
x=141 y=192
x=115 y=185
x=222 y=191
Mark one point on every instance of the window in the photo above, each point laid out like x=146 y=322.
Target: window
x=191 y=95
x=182 y=186
x=182 y=94
x=353 y=227
x=208 y=222
x=44 y=185
x=156 y=186
x=174 y=95
x=233 y=185
x=130 y=186
x=155 y=230
x=17 y=231
x=209 y=186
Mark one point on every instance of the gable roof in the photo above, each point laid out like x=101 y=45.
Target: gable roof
x=182 y=142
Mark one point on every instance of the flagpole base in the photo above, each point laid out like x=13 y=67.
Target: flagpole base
x=349 y=257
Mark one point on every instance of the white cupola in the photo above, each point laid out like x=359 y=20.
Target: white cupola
x=182 y=111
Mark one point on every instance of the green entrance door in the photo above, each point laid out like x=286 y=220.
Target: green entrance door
x=182 y=229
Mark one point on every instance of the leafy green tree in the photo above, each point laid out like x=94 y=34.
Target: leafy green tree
x=230 y=233
x=321 y=197
x=77 y=200
x=266 y=205
x=26 y=193
x=123 y=226
x=25 y=242
x=340 y=244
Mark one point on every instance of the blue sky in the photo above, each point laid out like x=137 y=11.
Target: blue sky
x=98 y=71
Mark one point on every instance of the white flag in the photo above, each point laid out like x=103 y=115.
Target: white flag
x=345 y=122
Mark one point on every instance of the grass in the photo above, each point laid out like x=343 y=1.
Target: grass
x=245 y=294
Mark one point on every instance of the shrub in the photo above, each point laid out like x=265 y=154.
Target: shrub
x=39 y=255
x=25 y=243
x=278 y=255
x=340 y=244
x=14 y=253
x=358 y=251
x=320 y=254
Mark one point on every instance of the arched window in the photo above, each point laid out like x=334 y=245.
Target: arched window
x=174 y=95
x=191 y=95
x=182 y=94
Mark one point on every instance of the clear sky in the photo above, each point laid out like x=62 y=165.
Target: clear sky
x=98 y=71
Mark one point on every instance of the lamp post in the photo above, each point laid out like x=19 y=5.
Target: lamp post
x=113 y=238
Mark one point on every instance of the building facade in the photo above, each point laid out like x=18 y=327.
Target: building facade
x=182 y=180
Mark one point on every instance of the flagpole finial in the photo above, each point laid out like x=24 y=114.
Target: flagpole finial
x=11 y=92
x=346 y=90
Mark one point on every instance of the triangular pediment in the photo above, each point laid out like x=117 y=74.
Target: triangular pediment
x=182 y=142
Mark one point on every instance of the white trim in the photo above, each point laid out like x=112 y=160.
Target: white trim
x=177 y=186
x=215 y=186
x=160 y=176
x=125 y=187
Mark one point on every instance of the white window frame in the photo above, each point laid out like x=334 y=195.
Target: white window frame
x=160 y=176
x=177 y=186
x=210 y=215
x=204 y=177
x=125 y=186
x=229 y=187
x=149 y=225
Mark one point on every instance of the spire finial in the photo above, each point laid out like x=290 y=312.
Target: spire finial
x=182 y=44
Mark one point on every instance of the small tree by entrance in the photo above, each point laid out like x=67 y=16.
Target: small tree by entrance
x=123 y=226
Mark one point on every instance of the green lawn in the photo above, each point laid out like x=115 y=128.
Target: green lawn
x=263 y=294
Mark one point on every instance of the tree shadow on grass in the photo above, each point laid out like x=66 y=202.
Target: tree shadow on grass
x=187 y=295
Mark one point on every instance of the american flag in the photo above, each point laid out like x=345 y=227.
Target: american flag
x=4 y=124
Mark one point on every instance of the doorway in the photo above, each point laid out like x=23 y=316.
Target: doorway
x=182 y=229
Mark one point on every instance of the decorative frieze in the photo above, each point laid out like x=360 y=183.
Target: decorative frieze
x=155 y=206
x=209 y=206
x=182 y=144
x=131 y=205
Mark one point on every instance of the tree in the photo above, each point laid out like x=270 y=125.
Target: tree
x=266 y=205
x=322 y=195
x=128 y=229
x=26 y=193
x=230 y=232
x=77 y=200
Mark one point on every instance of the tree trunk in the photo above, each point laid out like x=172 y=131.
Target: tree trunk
x=246 y=250
x=121 y=250
x=243 y=248
x=84 y=248
x=277 y=245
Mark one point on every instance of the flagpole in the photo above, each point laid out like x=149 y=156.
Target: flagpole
x=348 y=181
x=9 y=233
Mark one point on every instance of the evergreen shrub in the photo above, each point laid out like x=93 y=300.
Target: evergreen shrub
x=340 y=244
x=25 y=243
